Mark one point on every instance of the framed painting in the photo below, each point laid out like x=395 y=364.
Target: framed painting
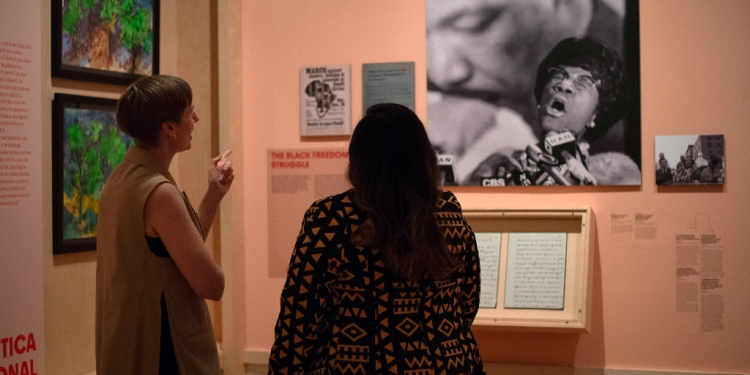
x=530 y=93
x=86 y=147
x=109 y=41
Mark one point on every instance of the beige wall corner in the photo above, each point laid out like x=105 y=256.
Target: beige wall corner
x=232 y=243
x=189 y=35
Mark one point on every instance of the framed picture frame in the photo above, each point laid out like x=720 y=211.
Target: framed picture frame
x=86 y=147
x=108 y=41
x=690 y=159
x=492 y=115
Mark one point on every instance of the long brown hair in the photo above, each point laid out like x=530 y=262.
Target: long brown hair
x=394 y=172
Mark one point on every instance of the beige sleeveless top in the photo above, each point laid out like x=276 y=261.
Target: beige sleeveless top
x=130 y=280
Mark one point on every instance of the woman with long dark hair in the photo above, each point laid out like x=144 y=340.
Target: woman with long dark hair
x=384 y=278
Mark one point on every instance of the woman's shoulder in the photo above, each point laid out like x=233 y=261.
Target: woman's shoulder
x=341 y=199
x=339 y=205
x=448 y=202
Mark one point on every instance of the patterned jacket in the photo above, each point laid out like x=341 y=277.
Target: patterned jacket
x=343 y=313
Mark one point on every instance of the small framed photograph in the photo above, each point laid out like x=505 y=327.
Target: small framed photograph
x=109 y=41
x=689 y=159
x=86 y=147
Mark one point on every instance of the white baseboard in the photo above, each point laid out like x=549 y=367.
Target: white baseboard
x=256 y=363
x=494 y=368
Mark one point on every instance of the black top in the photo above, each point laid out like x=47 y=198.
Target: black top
x=157 y=247
x=167 y=359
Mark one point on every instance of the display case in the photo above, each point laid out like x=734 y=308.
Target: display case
x=536 y=268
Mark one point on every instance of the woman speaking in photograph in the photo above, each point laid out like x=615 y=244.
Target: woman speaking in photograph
x=580 y=92
x=153 y=268
x=384 y=278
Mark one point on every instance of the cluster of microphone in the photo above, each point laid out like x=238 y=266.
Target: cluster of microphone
x=557 y=160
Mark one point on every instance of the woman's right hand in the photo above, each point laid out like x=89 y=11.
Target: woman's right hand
x=221 y=174
x=220 y=177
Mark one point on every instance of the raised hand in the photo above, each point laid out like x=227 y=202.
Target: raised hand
x=221 y=173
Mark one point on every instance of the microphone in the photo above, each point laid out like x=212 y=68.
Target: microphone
x=556 y=143
x=445 y=164
x=546 y=162
x=562 y=145
x=578 y=169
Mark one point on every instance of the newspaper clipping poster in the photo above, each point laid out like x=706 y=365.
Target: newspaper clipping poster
x=388 y=83
x=325 y=105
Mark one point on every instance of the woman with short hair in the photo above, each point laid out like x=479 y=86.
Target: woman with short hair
x=384 y=278
x=153 y=268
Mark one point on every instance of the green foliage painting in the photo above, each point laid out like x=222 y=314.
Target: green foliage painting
x=92 y=148
x=113 y=35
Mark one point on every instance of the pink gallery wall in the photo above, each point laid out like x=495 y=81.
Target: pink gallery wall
x=695 y=57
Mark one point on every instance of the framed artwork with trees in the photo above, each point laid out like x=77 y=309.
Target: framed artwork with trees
x=86 y=147
x=109 y=41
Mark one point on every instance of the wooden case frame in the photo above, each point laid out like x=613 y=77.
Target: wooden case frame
x=576 y=222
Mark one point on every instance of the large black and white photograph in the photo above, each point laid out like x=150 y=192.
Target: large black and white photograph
x=541 y=92
x=689 y=159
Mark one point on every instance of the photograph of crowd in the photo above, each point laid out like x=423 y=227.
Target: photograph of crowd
x=690 y=160
x=537 y=92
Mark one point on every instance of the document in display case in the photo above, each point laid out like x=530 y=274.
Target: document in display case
x=488 y=246
x=535 y=277
x=537 y=264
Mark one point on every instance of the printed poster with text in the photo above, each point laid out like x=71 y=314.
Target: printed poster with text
x=21 y=289
x=388 y=83
x=325 y=100
x=296 y=179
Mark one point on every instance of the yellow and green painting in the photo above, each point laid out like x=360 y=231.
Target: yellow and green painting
x=93 y=147
x=113 y=35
